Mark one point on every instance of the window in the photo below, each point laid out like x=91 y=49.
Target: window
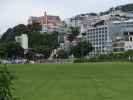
x=131 y=39
x=131 y=33
x=125 y=33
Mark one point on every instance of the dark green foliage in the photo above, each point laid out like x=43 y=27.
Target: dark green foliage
x=46 y=51
x=74 y=32
x=62 y=54
x=11 y=49
x=43 y=43
x=10 y=34
x=129 y=53
x=38 y=42
x=113 y=57
x=81 y=49
x=20 y=29
x=81 y=60
x=35 y=27
x=6 y=84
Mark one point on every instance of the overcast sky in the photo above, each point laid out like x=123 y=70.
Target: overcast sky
x=13 y=12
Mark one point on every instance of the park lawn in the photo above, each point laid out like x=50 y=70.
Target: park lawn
x=92 y=81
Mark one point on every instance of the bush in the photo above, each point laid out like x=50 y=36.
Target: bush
x=6 y=84
x=81 y=60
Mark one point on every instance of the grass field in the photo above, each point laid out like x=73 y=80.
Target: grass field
x=94 y=81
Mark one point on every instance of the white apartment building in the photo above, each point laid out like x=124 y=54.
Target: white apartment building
x=22 y=40
x=78 y=20
x=104 y=34
x=98 y=35
x=121 y=45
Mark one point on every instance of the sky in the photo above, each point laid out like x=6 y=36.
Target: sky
x=14 y=12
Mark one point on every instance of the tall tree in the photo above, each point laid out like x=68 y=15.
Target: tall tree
x=81 y=49
x=11 y=49
x=38 y=42
x=74 y=32
x=62 y=54
x=43 y=43
x=10 y=34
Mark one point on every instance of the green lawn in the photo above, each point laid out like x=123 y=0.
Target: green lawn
x=94 y=81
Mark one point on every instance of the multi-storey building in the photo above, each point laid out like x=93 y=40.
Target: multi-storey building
x=104 y=35
x=98 y=35
x=78 y=20
x=49 y=23
x=123 y=39
x=104 y=30
x=121 y=45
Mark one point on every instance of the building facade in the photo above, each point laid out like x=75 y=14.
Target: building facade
x=104 y=36
x=49 y=23
x=23 y=41
x=104 y=31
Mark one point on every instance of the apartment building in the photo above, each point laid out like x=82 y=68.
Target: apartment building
x=104 y=36
x=78 y=20
x=124 y=40
x=105 y=31
x=98 y=35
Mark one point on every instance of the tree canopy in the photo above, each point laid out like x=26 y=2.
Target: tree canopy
x=11 y=49
x=81 y=49
x=62 y=54
x=38 y=42
x=74 y=32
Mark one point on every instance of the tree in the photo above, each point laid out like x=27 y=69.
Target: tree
x=6 y=84
x=39 y=42
x=43 y=43
x=129 y=54
x=35 y=27
x=14 y=50
x=45 y=50
x=20 y=29
x=81 y=49
x=9 y=35
x=11 y=49
x=74 y=32
x=62 y=54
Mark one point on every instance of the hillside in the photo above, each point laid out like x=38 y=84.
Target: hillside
x=124 y=8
